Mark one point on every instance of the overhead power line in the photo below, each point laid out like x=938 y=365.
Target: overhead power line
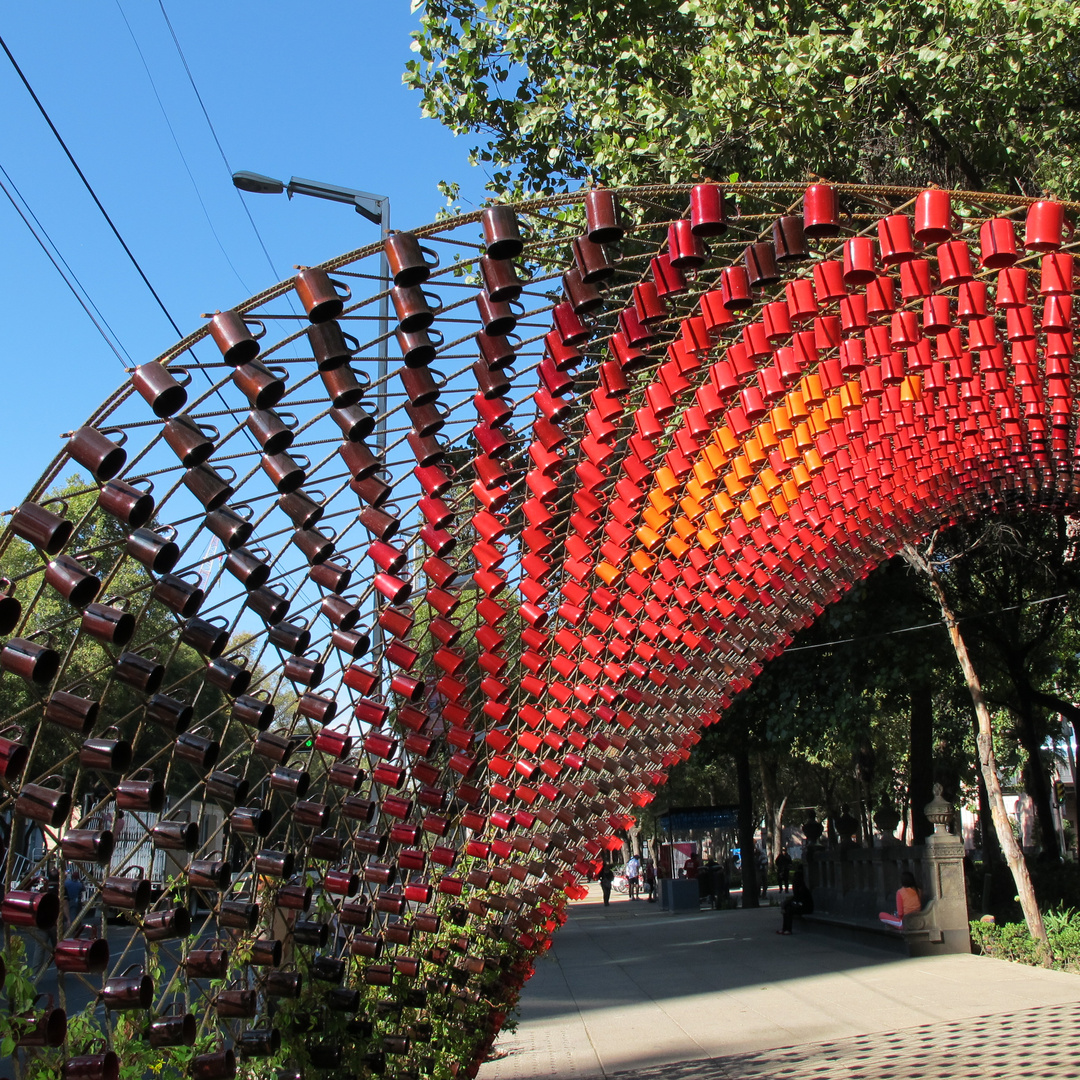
x=213 y=132
x=926 y=626
x=179 y=148
x=67 y=275
x=89 y=188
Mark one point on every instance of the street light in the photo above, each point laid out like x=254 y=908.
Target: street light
x=376 y=208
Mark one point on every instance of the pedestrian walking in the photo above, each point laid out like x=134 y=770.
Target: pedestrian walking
x=73 y=895
x=782 y=862
x=633 y=869
x=650 y=880
x=606 y=877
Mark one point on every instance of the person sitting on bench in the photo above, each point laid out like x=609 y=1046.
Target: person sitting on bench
x=800 y=902
x=908 y=901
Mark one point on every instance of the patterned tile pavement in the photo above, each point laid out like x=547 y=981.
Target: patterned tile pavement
x=632 y=993
x=1036 y=1043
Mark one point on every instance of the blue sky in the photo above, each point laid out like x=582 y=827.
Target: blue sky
x=292 y=90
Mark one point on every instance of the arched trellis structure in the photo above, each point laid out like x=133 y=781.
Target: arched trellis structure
x=387 y=665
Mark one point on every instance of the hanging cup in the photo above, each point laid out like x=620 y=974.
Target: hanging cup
x=409 y=262
x=502 y=233
x=231 y=525
x=233 y=336
x=102 y=457
x=10 y=607
x=263 y=386
x=128 y=991
x=323 y=297
x=330 y=345
x=41 y=527
x=163 y=389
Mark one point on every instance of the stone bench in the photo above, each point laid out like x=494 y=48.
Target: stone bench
x=920 y=936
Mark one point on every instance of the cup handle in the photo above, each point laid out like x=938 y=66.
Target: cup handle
x=302 y=460
x=286 y=417
x=118 y=435
x=210 y=432
x=167 y=531
x=517 y=307
x=227 y=473
x=243 y=506
x=436 y=336
x=1069 y=227
x=256 y=322
x=341 y=288
x=355 y=342
x=437 y=306
x=180 y=371
x=434 y=261
x=281 y=372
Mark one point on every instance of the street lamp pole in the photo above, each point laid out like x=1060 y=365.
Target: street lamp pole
x=376 y=208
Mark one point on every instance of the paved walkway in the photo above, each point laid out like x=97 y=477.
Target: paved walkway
x=632 y=990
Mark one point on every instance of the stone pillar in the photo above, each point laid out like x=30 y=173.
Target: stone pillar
x=943 y=883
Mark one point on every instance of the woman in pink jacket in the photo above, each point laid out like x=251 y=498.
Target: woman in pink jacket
x=908 y=901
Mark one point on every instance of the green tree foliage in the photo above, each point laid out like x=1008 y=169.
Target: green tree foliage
x=980 y=94
x=1012 y=581
x=98 y=542
x=827 y=721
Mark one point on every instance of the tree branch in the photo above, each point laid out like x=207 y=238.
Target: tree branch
x=966 y=167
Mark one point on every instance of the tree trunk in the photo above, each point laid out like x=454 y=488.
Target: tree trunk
x=987 y=762
x=1035 y=779
x=991 y=849
x=746 y=830
x=1076 y=792
x=921 y=759
x=774 y=806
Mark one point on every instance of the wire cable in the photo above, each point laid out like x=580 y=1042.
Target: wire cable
x=213 y=132
x=66 y=273
x=179 y=150
x=104 y=213
x=89 y=188
x=926 y=626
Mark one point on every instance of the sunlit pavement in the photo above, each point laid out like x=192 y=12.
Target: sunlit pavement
x=629 y=989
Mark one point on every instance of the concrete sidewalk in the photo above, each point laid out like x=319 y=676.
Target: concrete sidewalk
x=629 y=988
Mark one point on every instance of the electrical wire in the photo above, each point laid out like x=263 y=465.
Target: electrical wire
x=104 y=213
x=213 y=132
x=66 y=273
x=89 y=188
x=926 y=626
x=179 y=150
